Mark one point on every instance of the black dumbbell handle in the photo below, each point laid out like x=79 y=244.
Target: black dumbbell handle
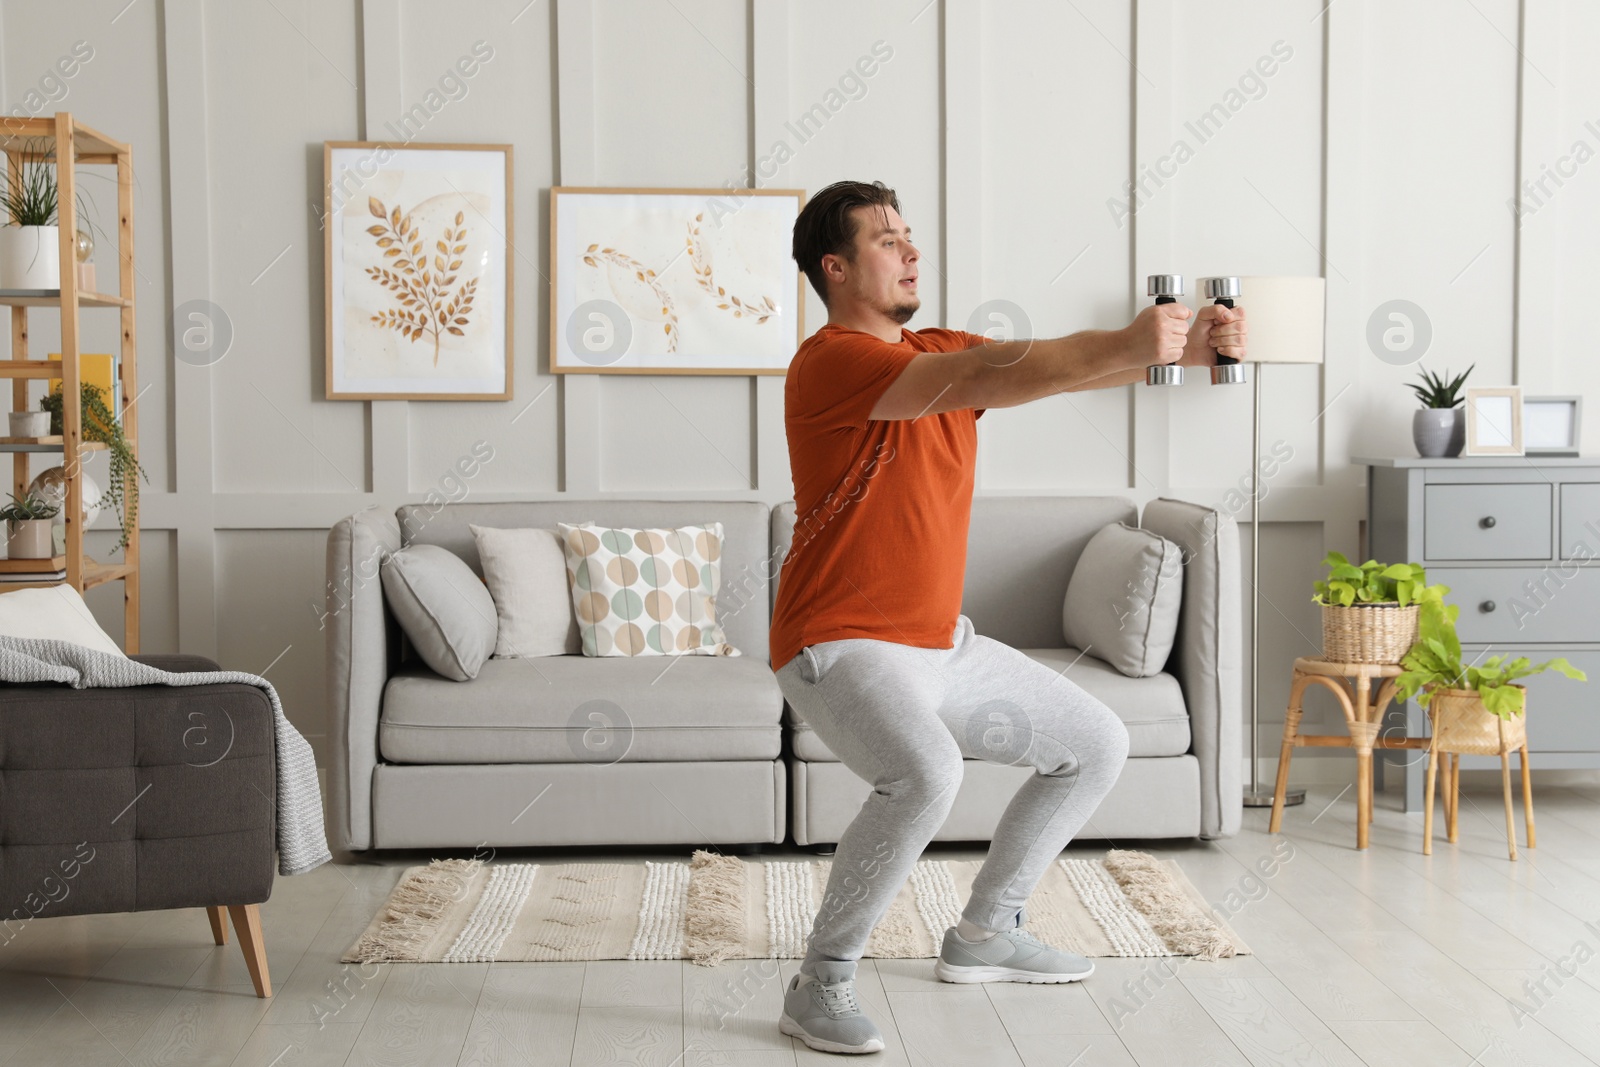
x=1222 y=360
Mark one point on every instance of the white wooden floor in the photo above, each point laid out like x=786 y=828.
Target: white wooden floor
x=1383 y=957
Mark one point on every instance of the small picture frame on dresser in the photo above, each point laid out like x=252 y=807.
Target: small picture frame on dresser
x=1494 y=421
x=1550 y=425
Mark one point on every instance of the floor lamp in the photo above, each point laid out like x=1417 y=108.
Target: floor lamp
x=1286 y=320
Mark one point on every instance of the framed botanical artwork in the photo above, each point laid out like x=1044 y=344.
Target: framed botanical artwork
x=1494 y=422
x=1550 y=425
x=674 y=281
x=416 y=247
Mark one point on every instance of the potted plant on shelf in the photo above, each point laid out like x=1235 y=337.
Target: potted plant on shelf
x=1369 y=612
x=30 y=238
x=1473 y=706
x=28 y=527
x=100 y=425
x=30 y=249
x=1438 y=428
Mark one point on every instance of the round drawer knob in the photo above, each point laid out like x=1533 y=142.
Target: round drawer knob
x=1486 y=607
x=1486 y=522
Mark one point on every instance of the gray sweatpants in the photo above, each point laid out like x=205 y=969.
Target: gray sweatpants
x=903 y=718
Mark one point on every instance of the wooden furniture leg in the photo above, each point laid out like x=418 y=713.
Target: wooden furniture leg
x=1453 y=794
x=247 y=922
x=1505 y=781
x=1362 y=734
x=1291 y=727
x=1427 y=811
x=1527 y=798
x=219 y=925
x=1363 y=797
x=1372 y=795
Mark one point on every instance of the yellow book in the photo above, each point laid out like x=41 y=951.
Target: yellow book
x=97 y=369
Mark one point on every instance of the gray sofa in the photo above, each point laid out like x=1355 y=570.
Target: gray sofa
x=691 y=750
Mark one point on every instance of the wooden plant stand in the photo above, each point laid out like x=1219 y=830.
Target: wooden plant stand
x=1363 y=713
x=1462 y=725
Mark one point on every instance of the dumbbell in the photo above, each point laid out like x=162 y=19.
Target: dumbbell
x=1228 y=371
x=1166 y=288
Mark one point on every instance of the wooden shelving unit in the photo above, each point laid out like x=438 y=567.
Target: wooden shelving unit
x=74 y=144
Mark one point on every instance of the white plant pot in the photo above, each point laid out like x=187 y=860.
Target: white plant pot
x=30 y=423
x=30 y=257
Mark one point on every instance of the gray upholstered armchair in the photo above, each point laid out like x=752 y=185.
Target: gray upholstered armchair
x=139 y=799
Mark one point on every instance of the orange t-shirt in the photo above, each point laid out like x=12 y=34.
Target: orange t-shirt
x=881 y=506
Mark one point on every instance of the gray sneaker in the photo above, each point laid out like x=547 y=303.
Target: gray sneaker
x=821 y=1010
x=1009 y=956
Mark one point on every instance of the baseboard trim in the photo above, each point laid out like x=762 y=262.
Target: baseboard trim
x=1337 y=768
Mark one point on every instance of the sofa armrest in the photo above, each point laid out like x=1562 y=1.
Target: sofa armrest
x=1207 y=657
x=361 y=643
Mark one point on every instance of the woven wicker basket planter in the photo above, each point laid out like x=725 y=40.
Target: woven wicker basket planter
x=1368 y=633
x=1462 y=724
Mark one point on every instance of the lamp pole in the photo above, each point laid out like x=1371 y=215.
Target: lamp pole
x=1254 y=797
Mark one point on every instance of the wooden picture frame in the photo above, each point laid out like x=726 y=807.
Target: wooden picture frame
x=1552 y=425
x=393 y=219
x=674 y=281
x=1494 y=421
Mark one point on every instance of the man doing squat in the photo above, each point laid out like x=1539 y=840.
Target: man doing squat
x=868 y=640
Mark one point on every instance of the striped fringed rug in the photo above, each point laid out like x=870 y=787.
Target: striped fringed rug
x=717 y=908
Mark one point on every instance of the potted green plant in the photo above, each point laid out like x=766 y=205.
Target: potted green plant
x=28 y=527
x=1369 y=612
x=1476 y=704
x=30 y=238
x=1438 y=429
x=30 y=249
x=99 y=424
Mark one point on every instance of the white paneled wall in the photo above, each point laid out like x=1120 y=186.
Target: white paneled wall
x=1380 y=145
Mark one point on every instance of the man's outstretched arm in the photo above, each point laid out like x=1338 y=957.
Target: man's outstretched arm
x=1010 y=373
x=1216 y=330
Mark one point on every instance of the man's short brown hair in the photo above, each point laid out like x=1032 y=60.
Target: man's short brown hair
x=827 y=227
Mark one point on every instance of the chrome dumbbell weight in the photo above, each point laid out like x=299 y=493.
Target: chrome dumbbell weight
x=1166 y=288
x=1228 y=371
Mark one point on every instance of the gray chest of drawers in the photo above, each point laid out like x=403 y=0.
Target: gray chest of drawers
x=1517 y=540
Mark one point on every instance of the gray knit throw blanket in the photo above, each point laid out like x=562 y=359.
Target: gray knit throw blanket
x=302 y=842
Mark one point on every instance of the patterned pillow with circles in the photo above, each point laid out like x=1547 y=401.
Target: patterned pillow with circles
x=646 y=592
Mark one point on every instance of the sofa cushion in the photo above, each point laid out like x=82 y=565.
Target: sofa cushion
x=1123 y=600
x=646 y=592
x=443 y=608
x=526 y=572
x=1152 y=708
x=577 y=709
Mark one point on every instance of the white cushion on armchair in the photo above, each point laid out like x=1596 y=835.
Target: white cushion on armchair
x=54 y=612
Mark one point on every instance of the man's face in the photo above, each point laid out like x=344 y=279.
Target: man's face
x=883 y=272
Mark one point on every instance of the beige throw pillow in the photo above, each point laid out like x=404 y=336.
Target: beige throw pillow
x=526 y=572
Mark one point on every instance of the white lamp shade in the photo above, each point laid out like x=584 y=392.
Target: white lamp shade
x=1286 y=318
